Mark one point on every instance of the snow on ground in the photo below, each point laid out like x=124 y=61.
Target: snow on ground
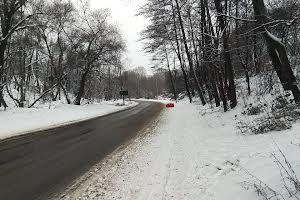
x=18 y=121
x=189 y=153
x=161 y=100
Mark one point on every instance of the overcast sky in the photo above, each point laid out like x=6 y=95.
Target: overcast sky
x=123 y=13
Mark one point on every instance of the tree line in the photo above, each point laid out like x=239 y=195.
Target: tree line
x=54 y=49
x=214 y=42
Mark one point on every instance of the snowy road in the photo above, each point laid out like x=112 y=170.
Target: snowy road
x=36 y=165
x=190 y=153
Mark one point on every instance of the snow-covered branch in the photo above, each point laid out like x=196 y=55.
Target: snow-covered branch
x=26 y=26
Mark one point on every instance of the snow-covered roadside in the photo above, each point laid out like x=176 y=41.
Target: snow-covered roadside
x=190 y=153
x=160 y=100
x=19 y=121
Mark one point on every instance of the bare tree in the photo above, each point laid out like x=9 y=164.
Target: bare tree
x=9 y=25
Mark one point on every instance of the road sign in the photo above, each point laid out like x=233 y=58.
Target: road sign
x=124 y=93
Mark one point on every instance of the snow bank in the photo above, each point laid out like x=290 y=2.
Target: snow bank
x=19 y=121
x=160 y=100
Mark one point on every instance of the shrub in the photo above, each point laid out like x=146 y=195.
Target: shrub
x=281 y=102
x=271 y=124
x=264 y=125
x=254 y=110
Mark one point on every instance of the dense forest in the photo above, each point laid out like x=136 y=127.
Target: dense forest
x=55 y=49
x=210 y=45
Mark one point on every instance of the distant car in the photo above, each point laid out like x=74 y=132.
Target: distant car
x=170 y=105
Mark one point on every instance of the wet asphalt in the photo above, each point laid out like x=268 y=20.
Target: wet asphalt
x=37 y=165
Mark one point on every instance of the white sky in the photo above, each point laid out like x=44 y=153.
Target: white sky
x=123 y=14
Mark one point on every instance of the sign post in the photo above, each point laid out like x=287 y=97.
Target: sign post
x=124 y=93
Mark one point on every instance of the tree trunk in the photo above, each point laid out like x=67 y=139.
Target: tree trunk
x=171 y=77
x=222 y=92
x=214 y=87
x=22 y=78
x=190 y=61
x=246 y=71
x=197 y=70
x=3 y=45
x=207 y=42
x=243 y=62
x=65 y=93
x=185 y=77
x=2 y=81
x=81 y=88
x=277 y=52
x=229 y=73
x=255 y=54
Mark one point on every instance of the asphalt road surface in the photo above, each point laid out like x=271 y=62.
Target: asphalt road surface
x=35 y=165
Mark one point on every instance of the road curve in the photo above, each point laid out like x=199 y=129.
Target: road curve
x=38 y=164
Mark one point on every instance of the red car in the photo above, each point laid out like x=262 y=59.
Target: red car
x=170 y=105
